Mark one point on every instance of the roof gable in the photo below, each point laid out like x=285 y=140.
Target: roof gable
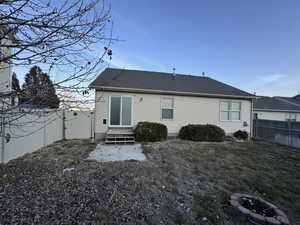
x=146 y=80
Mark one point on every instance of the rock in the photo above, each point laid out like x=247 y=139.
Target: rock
x=283 y=219
x=280 y=212
x=68 y=169
x=234 y=203
x=235 y=196
x=230 y=138
x=272 y=221
x=244 y=210
x=256 y=218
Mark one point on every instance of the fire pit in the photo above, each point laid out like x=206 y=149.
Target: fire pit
x=258 y=210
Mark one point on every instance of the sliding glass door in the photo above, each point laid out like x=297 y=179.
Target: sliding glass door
x=115 y=111
x=120 y=114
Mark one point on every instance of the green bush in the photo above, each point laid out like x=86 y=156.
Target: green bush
x=199 y=132
x=150 y=132
x=241 y=134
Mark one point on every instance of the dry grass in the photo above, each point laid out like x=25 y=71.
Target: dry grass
x=267 y=170
x=62 y=154
x=181 y=182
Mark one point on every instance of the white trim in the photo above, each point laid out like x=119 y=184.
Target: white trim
x=154 y=91
x=276 y=110
x=161 y=107
x=220 y=110
x=230 y=110
x=109 y=112
x=240 y=111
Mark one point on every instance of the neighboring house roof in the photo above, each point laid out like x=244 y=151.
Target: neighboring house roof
x=274 y=104
x=121 y=79
x=293 y=100
x=32 y=106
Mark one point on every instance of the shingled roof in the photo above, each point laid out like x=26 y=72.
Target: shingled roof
x=274 y=104
x=293 y=100
x=164 y=82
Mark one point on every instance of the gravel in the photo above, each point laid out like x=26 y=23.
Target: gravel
x=110 y=153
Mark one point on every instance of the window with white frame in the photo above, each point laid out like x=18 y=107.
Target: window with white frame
x=167 y=108
x=230 y=111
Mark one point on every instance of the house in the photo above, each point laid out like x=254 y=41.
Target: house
x=7 y=97
x=126 y=97
x=293 y=100
x=5 y=66
x=277 y=108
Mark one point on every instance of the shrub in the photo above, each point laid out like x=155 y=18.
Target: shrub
x=241 y=134
x=199 y=132
x=150 y=132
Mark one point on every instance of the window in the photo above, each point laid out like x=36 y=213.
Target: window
x=225 y=110
x=291 y=117
x=230 y=110
x=167 y=108
x=235 y=111
x=120 y=110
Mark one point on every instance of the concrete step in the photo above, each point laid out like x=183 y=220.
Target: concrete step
x=119 y=139
x=120 y=142
x=116 y=131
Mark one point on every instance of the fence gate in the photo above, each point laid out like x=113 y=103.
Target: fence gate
x=282 y=132
x=79 y=124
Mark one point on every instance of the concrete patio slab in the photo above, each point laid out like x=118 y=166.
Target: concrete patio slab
x=108 y=153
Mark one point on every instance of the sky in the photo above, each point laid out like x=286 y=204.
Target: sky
x=252 y=45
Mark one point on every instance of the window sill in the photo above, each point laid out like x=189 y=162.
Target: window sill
x=230 y=120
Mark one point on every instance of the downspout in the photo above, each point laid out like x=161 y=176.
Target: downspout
x=63 y=124
x=91 y=124
x=2 y=138
x=251 y=120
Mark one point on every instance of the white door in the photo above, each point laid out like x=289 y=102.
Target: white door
x=120 y=111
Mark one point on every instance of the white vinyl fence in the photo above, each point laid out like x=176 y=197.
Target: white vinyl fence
x=36 y=130
x=79 y=124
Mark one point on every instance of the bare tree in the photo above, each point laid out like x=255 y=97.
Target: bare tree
x=61 y=35
x=70 y=37
x=53 y=33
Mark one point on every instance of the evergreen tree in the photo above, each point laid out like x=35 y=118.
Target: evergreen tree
x=15 y=83
x=39 y=90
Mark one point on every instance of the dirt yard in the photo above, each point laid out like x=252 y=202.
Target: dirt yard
x=181 y=182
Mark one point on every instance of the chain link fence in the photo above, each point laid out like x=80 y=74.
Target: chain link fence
x=282 y=132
